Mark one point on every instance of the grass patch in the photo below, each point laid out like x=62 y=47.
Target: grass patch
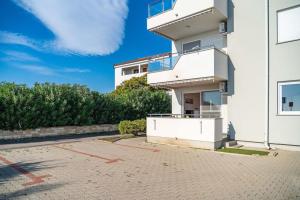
x=117 y=138
x=243 y=151
x=111 y=139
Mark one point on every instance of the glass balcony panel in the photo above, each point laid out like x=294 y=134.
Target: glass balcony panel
x=163 y=64
x=168 y=4
x=160 y=6
x=155 y=8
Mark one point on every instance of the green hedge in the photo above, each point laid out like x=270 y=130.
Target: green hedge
x=132 y=127
x=50 y=105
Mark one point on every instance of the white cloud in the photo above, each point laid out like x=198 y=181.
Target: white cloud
x=86 y=27
x=44 y=70
x=15 y=38
x=20 y=56
x=76 y=70
x=38 y=69
x=35 y=65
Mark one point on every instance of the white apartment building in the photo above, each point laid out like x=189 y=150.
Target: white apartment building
x=134 y=68
x=234 y=72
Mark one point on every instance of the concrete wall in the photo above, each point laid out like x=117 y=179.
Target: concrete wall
x=284 y=66
x=246 y=50
x=195 y=129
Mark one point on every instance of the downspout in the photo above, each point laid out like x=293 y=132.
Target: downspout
x=267 y=83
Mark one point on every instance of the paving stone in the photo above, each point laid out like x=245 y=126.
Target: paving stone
x=146 y=171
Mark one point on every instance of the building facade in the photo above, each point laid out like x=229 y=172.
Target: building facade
x=234 y=72
x=134 y=68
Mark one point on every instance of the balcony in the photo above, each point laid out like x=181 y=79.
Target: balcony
x=193 y=68
x=176 y=19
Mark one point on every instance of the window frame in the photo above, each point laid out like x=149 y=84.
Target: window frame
x=279 y=98
x=277 y=24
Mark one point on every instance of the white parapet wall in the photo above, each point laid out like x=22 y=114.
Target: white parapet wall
x=193 y=132
x=208 y=63
x=185 y=8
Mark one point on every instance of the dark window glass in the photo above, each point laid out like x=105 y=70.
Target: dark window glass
x=290 y=97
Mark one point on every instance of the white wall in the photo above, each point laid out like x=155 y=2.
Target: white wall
x=246 y=49
x=200 y=64
x=206 y=130
x=284 y=66
x=120 y=78
x=183 y=9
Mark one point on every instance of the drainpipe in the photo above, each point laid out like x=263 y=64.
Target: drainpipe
x=267 y=84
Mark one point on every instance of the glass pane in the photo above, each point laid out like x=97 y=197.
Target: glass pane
x=211 y=98
x=191 y=46
x=155 y=8
x=167 y=4
x=291 y=97
x=163 y=64
x=288 y=25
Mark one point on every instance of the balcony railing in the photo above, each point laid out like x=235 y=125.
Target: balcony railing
x=168 y=63
x=160 y=6
x=203 y=115
x=164 y=64
x=210 y=111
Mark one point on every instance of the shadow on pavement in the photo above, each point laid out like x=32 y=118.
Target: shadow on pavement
x=26 y=170
x=29 y=191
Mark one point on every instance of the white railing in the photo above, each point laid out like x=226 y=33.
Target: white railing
x=213 y=111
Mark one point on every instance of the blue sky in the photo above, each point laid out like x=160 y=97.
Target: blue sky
x=62 y=42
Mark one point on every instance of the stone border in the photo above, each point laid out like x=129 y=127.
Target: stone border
x=57 y=132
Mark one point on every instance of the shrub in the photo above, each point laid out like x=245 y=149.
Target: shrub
x=51 y=105
x=132 y=127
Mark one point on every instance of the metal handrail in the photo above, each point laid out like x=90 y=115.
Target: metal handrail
x=210 y=114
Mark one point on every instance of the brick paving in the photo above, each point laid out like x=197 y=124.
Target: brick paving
x=81 y=170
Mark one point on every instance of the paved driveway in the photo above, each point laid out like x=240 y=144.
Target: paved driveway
x=133 y=169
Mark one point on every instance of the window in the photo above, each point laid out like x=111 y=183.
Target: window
x=288 y=28
x=191 y=46
x=211 y=98
x=130 y=70
x=289 y=98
